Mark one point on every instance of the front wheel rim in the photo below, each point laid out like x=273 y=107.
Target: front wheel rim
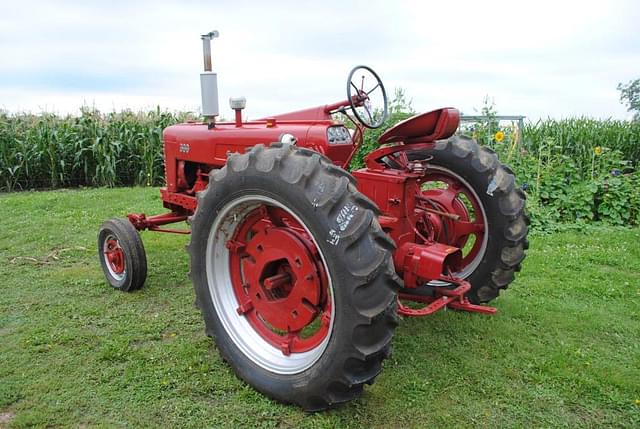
x=114 y=258
x=239 y=229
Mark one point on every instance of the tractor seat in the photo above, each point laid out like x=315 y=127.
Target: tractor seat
x=424 y=128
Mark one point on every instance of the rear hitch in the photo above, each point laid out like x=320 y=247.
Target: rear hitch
x=421 y=263
x=443 y=298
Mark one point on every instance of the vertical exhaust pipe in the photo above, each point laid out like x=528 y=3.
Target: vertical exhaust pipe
x=209 y=82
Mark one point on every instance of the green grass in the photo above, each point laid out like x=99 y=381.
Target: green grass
x=563 y=351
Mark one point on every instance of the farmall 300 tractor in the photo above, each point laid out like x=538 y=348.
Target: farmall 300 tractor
x=300 y=267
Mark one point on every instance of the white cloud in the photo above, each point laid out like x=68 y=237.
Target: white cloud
x=543 y=58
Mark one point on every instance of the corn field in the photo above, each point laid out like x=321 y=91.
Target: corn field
x=576 y=169
x=578 y=137
x=93 y=149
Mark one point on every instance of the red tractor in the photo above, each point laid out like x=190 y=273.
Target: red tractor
x=300 y=267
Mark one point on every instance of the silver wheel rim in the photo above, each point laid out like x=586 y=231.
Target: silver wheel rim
x=105 y=248
x=237 y=327
x=470 y=268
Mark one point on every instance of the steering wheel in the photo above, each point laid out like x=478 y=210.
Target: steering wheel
x=367 y=97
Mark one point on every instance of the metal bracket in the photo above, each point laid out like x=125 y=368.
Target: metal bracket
x=211 y=35
x=451 y=298
x=153 y=223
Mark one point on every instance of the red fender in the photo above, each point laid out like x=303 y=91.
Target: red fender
x=424 y=128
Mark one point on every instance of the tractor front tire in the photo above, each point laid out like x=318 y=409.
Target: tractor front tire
x=122 y=255
x=293 y=275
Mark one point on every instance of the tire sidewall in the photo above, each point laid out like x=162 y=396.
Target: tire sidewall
x=127 y=238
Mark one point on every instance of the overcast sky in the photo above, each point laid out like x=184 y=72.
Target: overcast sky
x=534 y=58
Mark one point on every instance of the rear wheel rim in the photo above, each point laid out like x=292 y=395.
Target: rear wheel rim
x=266 y=275
x=473 y=220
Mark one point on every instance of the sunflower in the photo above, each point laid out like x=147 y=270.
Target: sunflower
x=499 y=136
x=597 y=150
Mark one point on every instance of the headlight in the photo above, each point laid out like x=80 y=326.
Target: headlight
x=288 y=138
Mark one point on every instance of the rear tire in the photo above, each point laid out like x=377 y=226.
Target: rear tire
x=503 y=204
x=122 y=255
x=340 y=227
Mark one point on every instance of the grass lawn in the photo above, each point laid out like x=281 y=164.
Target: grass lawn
x=563 y=351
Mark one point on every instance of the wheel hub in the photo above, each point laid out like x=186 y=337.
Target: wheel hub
x=281 y=279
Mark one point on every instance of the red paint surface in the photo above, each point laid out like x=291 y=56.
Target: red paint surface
x=269 y=285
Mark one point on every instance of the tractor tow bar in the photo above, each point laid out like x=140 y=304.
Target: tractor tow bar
x=153 y=223
x=443 y=298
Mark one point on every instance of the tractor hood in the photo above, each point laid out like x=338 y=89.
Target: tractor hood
x=199 y=143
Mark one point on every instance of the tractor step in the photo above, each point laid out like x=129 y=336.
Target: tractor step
x=442 y=298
